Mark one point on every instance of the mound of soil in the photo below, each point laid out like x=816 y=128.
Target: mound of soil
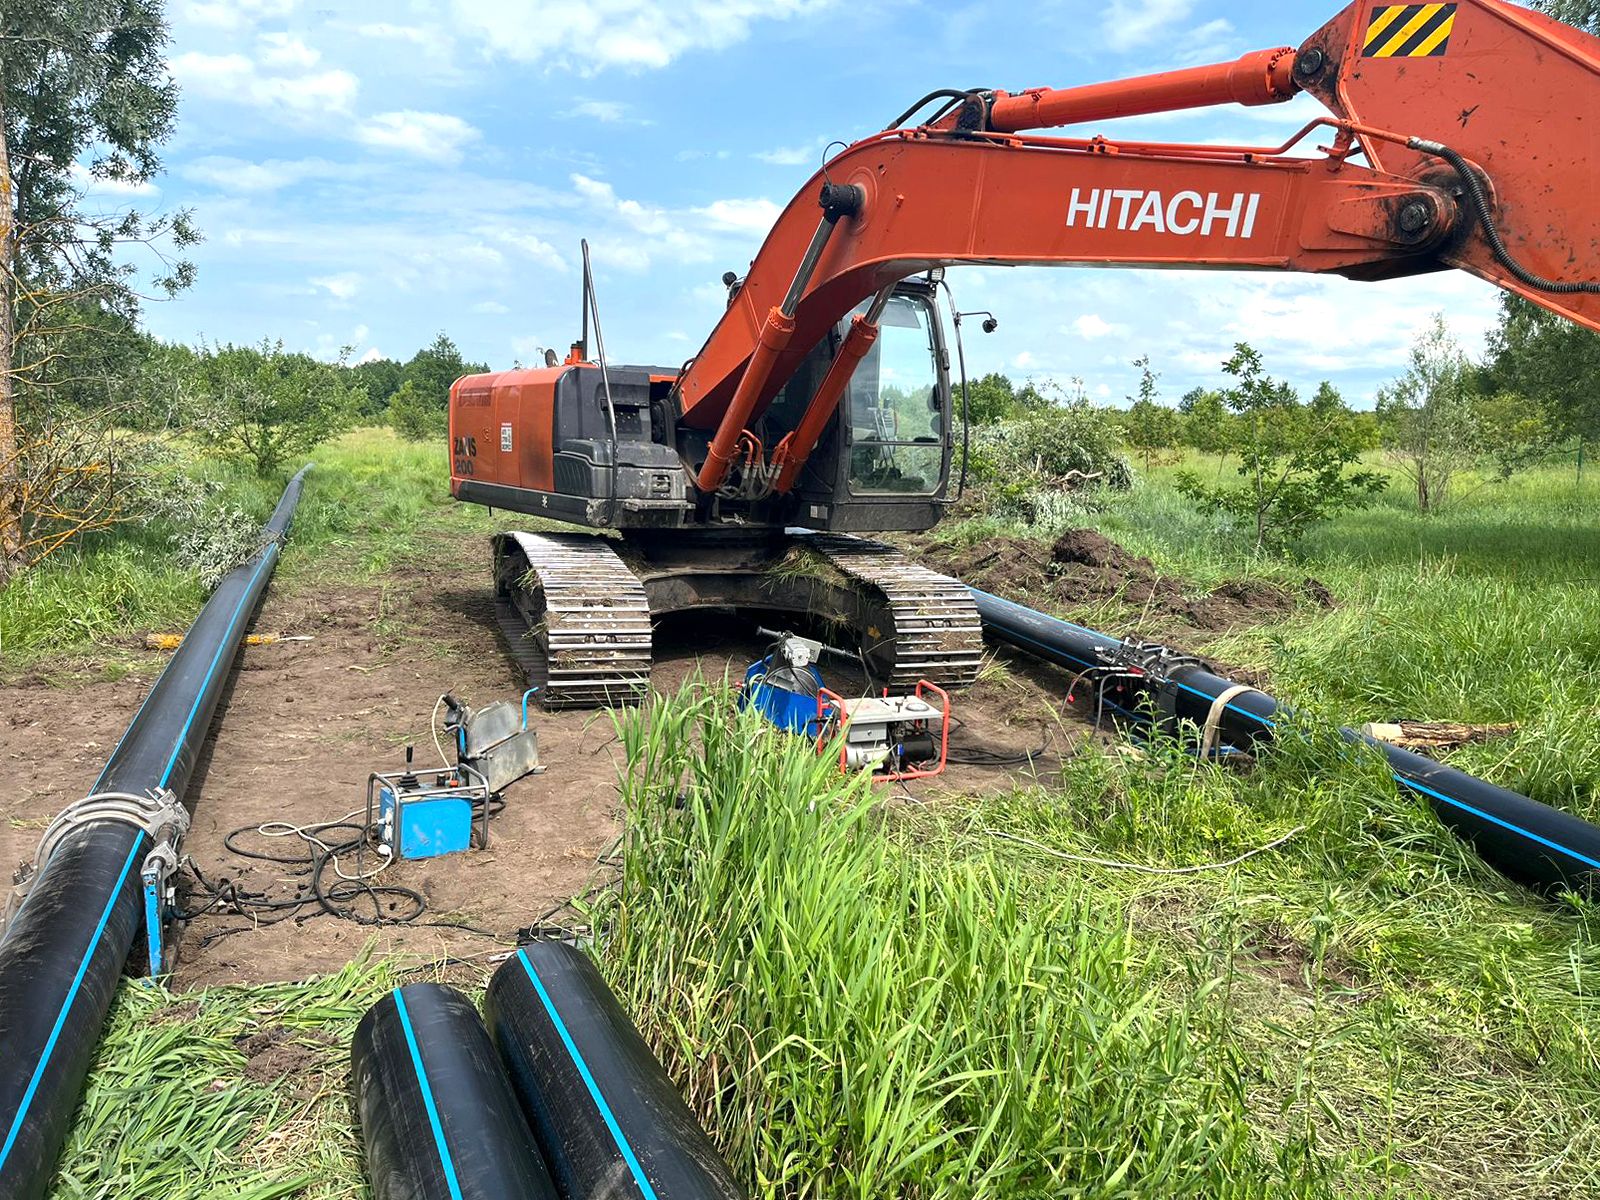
x=1086 y=569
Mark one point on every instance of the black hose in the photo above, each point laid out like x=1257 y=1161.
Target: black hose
x=438 y=1116
x=955 y=95
x=607 y=1118
x=1521 y=837
x=1485 y=215
x=66 y=947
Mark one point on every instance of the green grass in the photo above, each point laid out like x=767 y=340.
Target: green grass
x=169 y=1113
x=370 y=502
x=863 y=999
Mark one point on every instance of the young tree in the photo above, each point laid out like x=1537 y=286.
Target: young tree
x=1295 y=458
x=1428 y=419
x=381 y=377
x=265 y=406
x=991 y=399
x=78 y=78
x=430 y=373
x=413 y=418
x=1202 y=421
x=1151 y=426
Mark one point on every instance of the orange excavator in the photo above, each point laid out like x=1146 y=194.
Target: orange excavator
x=1460 y=135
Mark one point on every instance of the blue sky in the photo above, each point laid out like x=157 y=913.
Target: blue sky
x=368 y=174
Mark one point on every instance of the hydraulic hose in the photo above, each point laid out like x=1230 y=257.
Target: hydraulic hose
x=65 y=949
x=1526 y=840
x=609 y=1121
x=438 y=1115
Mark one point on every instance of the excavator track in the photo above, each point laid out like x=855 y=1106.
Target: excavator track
x=918 y=624
x=584 y=613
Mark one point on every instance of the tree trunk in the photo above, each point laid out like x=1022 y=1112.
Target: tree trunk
x=10 y=516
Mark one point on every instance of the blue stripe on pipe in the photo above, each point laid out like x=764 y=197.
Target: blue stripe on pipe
x=617 y=1136
x=66 y=1005
x=183 y=734
x=1504 y=824
x=1407 y=781
x=445 y=1160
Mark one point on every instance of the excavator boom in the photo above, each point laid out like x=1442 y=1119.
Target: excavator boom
x=1477 y=124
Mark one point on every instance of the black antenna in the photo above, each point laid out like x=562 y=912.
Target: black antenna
x=588 y=291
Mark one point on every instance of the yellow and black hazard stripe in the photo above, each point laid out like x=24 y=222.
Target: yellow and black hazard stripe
x=1409 y=31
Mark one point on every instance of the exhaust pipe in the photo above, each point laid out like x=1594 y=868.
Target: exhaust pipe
x=438 y=1115
x=1524 y=839
x=607 y=1118
x=103 y=862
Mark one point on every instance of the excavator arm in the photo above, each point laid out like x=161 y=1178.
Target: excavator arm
x=1477 y=125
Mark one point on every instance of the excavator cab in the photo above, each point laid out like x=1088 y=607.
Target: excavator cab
x=885 y=463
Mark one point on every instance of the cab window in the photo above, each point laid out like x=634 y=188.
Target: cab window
x=896 y=417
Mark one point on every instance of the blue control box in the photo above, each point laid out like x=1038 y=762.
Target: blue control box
x=427 y=826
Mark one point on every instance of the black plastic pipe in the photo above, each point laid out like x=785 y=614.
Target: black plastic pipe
x=1526 y=840
x=609 y=1121
x=65 y=948
x=438 y=1115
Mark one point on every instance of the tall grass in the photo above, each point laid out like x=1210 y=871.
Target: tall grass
x=857 y=1018
x=867 y=999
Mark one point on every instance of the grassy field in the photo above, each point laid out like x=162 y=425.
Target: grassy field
x=371 y=496
x=946 y=1000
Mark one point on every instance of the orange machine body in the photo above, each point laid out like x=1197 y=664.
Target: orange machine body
x=501 y=428
x=571 y=441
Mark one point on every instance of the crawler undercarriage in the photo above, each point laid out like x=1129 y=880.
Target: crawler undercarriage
x=579 y=610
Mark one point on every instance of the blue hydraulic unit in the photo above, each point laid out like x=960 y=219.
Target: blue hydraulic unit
x=783 y=687
x=428 y=814
x=424 y=814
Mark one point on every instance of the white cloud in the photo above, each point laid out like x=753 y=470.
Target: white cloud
x=607 y=112
x=373 y=354
x=1130 y=24
x=236 y=79
x=287 y=51
x=92 y=187
x=341 y=287
x=1092 y=326
x=414 y=34
x=753 y=216
x=692 y=235
x=1024 y=360
x=436 y=136
x=235 y=14
x=587 y=37
x=490 y=308
x=793 y=156
x=535 y=248
x=236 y=175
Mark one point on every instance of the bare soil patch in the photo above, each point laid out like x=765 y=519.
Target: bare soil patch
x=304 y=723
x=1085 y=569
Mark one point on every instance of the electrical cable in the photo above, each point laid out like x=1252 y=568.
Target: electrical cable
x=433 y=726
x=347 y=897
x=985 y=756
x=1497 y=245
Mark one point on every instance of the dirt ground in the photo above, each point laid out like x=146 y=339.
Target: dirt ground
x=1085 y=570
x=305 y=722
